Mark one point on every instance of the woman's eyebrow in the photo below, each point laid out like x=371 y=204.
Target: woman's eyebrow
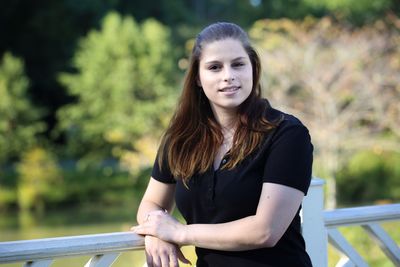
x=212 y=62
x=218 y=61
x=238 y=58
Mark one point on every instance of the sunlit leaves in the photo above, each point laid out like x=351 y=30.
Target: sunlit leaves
x=38 y=175
x=123 y=85
x=19 y=118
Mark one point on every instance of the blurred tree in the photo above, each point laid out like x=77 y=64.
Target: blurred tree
x=360 y=12
x=342 y=83
x=142 y=157
x=7 y=197
x=123 y=85
x=39 y=174
x=370 y=176
x=19 y=120
x=46 y=35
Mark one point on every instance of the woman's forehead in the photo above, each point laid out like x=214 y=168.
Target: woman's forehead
x=223 y=50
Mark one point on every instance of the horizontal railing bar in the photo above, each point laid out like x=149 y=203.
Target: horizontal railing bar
x=48 y=248
x=361 y=215
x=315 y=181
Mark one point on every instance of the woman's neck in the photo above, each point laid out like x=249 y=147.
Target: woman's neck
x=227 y=120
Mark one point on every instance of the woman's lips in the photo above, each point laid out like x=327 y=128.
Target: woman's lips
x=230 y=89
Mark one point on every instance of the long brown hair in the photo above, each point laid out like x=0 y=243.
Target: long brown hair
x=193 y=137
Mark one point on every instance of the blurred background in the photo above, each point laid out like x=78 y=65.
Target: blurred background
x=87 y=88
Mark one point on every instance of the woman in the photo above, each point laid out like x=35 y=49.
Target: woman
x=236 y=168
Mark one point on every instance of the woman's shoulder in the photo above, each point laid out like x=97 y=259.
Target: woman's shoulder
x=288 y=126
x=282 y=119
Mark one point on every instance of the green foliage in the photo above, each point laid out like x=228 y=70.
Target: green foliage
x=46 y=35
x=106 y=186
x=370 y=176
x=7 y=197
x=8 y=194
x=42 y=184
x=19 y=119
x=123 y=86
x=39 y=176
x=360 y=11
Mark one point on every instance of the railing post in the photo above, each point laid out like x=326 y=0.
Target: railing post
x=313 y=226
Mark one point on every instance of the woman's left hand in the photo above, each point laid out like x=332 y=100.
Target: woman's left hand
x=162 y=225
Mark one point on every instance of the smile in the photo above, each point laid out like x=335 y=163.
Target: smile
x=229 y=89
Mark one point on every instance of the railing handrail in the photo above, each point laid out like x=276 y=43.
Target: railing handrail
x=361 y=215
x=48 y=248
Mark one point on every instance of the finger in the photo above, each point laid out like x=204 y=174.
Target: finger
x=149 y=260
x=173 y=260
x=182 y=257
x=141 y=230
x=133 y=228
x=157 y=262
x=164 y=260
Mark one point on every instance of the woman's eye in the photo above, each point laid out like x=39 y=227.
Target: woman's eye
x=214 y=67
x=238 y=64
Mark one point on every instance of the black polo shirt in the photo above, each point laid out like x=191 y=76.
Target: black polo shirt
x=285 y=157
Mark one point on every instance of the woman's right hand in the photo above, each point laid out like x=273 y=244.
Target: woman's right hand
x=160 y=253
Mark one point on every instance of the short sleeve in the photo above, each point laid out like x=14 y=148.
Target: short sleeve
x=164 y=174
x=290 y=159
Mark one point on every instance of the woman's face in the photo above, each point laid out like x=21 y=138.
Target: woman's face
x=225 y=74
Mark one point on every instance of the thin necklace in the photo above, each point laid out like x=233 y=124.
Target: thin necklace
x=227 y=143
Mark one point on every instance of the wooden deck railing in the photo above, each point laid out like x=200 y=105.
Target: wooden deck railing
x=319 y=228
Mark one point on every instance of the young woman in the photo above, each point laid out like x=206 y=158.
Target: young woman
x=236 y=168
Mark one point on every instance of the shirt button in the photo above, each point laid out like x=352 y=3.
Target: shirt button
x=223 y=161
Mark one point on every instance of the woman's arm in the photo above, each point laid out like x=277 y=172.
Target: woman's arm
x=158 y=196
x=276 y=209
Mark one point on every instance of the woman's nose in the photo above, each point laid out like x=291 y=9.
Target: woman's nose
x=228 y=75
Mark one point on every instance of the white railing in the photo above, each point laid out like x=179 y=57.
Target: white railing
x=105 y=249
x=319 y=227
